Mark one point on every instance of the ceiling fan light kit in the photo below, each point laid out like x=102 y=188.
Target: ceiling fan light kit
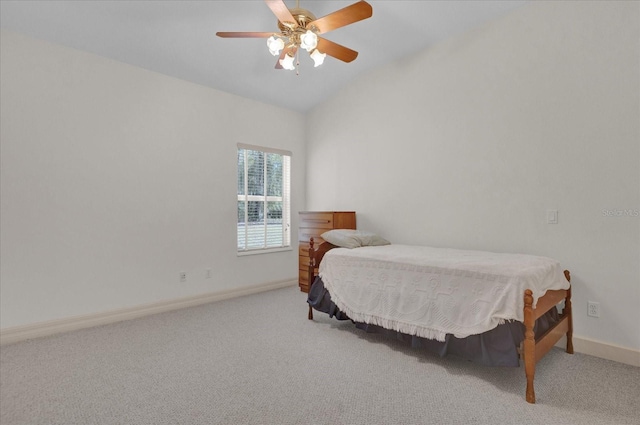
x=299 y=29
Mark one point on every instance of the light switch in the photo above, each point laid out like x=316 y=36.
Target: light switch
x=552 y=216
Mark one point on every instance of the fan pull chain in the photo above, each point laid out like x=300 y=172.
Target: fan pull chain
x=297 y=62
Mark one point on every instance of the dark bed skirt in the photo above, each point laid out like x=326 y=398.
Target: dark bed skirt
x=497 y=347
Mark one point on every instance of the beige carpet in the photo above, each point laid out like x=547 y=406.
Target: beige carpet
x=258 y=360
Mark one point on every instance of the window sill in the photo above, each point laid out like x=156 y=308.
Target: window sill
x=263 y=251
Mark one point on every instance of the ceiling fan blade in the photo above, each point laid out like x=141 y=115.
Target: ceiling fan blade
x=348 y=15
x=281 y=11
x=336 y=50
x=244 y=34
x=286 y=50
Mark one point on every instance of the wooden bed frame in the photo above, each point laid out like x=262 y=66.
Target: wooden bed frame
x=532 y=349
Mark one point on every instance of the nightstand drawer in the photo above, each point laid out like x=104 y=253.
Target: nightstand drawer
x=303 y=276
x=303 y=263
x=305 y=234
x=320 y=220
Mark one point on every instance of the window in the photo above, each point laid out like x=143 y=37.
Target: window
x=263 y=198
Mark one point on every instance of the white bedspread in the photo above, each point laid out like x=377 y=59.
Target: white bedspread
x=430 y=292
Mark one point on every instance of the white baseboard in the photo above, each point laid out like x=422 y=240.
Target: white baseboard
x=603 y=350
x=52 y=327
x=36 y=330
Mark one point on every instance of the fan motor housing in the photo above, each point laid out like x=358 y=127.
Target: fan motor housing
x=302 y=17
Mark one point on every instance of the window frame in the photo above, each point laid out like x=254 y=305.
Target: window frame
x=265 y=198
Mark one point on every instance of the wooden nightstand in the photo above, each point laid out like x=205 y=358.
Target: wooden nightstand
x=313 y=224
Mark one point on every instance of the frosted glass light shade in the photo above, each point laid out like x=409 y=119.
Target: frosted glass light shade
x=287 y=62
x=318 y=58
x=308 y=40
x=275 y=44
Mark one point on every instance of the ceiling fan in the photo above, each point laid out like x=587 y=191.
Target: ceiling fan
x=299 y=29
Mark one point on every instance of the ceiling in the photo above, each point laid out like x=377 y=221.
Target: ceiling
x=177 y=38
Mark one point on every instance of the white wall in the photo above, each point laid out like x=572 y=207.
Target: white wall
x=469 y=143
x=114 y=179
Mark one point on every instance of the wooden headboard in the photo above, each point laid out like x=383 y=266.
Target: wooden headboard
x=315 y=256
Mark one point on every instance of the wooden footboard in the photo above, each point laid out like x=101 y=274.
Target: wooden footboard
x=533 y=349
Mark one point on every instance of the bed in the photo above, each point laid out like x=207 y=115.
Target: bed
x=494 y=309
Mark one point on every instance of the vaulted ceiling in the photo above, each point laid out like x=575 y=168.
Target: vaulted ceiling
x=177 y=38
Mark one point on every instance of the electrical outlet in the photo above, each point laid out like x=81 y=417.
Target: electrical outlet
x=593 y=309
x=208 y=274
x=183 y=277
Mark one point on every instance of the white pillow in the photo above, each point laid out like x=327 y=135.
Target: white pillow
x=349 y=238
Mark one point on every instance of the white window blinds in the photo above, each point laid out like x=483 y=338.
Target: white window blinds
x=263 y=198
